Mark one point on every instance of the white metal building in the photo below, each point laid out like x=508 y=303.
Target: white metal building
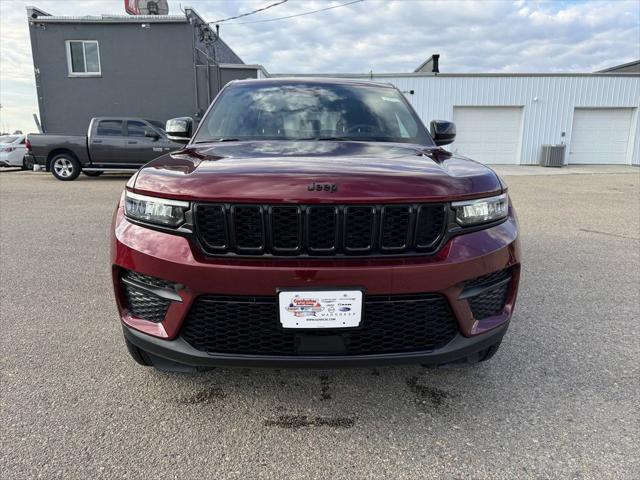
x=505 y=118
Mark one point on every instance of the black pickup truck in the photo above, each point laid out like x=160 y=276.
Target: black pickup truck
x=112 y=143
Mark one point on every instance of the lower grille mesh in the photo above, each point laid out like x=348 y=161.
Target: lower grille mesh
x=489 y=279
x=491 y=301
x=143 y=304
x=249 y=325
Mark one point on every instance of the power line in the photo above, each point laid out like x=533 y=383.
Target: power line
x=251 y=13
x=297 y=15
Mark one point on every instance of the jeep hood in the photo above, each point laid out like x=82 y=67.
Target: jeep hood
x=281 y=171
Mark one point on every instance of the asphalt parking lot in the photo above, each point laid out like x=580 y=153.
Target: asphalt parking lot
x=559 y=400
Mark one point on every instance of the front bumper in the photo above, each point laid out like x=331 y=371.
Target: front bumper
x=176 y=259
x=180 y=351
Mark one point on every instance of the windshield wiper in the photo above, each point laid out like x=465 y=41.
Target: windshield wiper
x=338 y=139
x=224 y=139
x=319 y=139
x=348 y=139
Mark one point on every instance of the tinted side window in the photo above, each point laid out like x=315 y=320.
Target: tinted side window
x=110 y=128
x=135 y=129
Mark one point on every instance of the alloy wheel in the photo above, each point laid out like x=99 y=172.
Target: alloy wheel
x=63 y=167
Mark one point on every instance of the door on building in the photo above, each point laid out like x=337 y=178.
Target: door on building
x=488 y=134
x=140 y=148
x=600 y=135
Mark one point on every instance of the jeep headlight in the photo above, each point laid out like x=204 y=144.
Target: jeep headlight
x=482 y=210
x=159 y=211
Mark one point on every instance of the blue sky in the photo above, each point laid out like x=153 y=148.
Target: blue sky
x=378 y=35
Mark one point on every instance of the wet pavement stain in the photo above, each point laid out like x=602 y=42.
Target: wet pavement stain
x=375 y=372
x=435 y=396
x=325 y=388
x=210 y=395
x=303 y=421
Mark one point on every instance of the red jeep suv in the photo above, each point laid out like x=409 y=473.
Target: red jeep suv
x=313 y=222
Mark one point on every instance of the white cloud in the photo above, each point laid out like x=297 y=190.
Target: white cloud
x=378 y=35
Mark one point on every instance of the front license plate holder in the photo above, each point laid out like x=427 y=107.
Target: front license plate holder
x=331 y=308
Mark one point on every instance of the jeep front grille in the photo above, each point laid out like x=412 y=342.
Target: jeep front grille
x=319 y=230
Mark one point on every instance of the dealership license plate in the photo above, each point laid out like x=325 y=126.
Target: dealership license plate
x=320 y=308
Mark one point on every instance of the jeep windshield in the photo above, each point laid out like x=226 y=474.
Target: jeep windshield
x=311 y=111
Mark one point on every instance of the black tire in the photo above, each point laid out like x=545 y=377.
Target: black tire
x=140 y=356
x=92 y=173
x=27 y=164
x=65 y=167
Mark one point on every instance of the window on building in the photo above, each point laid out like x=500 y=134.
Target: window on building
x=110 y=128
x=135 y=129
x=83 y=57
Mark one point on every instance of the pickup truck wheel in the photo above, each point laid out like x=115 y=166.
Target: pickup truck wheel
x=92 y=173
x=65 y=167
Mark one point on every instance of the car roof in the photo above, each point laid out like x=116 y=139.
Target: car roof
x=121 y=118
x=18 y=136
x=313 y=81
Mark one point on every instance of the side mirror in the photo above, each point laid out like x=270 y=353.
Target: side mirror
x=443 y=132
x=179 y=129
x=148 y=132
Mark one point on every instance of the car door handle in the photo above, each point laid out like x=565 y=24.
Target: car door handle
x=97 y=141
x=132 y=142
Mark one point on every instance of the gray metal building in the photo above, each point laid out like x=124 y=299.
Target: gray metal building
x=155 y=67
x=505 y=118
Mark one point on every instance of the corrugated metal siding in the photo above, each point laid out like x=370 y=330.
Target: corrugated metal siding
x=544 y=119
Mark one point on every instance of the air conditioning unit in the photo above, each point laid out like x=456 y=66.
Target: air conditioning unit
x=552 y=155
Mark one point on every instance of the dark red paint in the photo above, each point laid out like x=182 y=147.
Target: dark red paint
x=280 y=172
x=175 y=258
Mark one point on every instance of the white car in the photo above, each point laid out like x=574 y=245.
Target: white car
x=12 y=150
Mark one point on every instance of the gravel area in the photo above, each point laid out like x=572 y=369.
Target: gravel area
x=559 y=400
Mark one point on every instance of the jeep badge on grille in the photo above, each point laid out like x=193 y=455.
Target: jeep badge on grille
x=323 y=187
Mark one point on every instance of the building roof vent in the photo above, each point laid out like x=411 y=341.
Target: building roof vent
x=430 y=65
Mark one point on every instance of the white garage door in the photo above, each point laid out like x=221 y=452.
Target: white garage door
x=488 y=134
x=600 y=135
